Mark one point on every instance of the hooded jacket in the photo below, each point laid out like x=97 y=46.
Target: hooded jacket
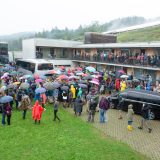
x=37 y=111
x=73 y=90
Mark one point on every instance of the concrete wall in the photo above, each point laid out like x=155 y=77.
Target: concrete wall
x=28 y=47
x=13 y=55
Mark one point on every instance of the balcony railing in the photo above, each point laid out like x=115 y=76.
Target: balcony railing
x=123 y=61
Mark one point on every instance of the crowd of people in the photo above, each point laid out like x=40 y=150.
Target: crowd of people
x=78 y=88
x=123 y=57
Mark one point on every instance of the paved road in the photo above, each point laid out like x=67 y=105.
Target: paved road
x=140 y=140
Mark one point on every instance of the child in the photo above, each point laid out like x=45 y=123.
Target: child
x=55 y=107
x=130 y=117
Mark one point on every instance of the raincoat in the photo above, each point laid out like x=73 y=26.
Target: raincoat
x=37 y=111
x=123 y=86
x=73 y=90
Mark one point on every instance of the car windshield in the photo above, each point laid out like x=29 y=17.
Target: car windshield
x=45 y=66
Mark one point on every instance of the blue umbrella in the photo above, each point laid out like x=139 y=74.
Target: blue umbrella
x=6 y=99
x=40 y=90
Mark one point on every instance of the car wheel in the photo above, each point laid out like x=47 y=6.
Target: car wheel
x=152 y=115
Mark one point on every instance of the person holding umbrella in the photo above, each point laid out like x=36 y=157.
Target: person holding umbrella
x=6 y=108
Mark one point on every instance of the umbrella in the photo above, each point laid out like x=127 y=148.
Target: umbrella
x=82 y=85
x=48 y=85
x=11 y=86
x=62 y=77
x=24 y=86
x=79 y=69
x=64 y=88
x=56 y=85
x=112 y=74
x=53 y=72
x=3 y=88
x=38 y=80
x=90 y=69
x=40 y=90
x=6 y=99
x=16 y=83
x=28 y=76
x=14 y=73
x=82 y=82
x=121 y=71
x=135 y=80
x=79 y=73
x=70 y=83
x=94 y=82
x=4 y=76
x=36 y=76
x=124 y=76
x=73 y=77
x=88 y=77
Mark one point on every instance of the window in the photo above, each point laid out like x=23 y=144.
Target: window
x=45 y=66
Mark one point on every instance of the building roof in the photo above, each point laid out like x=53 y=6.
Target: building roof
x=145 y=25
x=55 y=43
x=121 y=45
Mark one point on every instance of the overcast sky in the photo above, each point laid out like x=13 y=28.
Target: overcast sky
x=36 y=15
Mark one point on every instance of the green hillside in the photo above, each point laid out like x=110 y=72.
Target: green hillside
x=140 y=35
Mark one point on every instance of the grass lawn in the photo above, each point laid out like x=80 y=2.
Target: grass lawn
x=71 y=139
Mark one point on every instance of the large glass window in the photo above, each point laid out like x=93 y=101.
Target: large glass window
x=45 y=66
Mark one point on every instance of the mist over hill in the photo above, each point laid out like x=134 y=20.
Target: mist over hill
x=15 y=40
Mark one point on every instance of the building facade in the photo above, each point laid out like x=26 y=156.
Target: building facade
x=134 y=58
x=4 y=53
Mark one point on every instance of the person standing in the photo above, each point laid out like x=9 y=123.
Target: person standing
x=9 y=113
x=55 y=107
x=103 y=107
x=25 y=104
x=130 y=117
x=37 y=112
x=92 y=110
x=145 y=121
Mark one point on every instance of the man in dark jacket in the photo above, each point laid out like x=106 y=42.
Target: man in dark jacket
x=92 y=109
x=145 y=121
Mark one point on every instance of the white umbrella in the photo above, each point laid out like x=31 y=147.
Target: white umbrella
x=124 y=76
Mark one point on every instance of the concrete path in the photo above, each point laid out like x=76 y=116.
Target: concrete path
x=140 y=140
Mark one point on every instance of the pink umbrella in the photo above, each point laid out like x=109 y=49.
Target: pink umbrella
x=36 y=76
x=94 y=82
x=38 y=80
x=79 y=69
x=62 y=77
x=122 y=71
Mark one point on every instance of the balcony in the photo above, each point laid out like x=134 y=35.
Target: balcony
x=133 y=62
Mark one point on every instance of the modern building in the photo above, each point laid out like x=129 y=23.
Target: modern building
x=136 y=58
x=4 y=52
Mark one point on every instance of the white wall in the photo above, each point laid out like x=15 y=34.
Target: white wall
x=13 y=55
x=28 y=47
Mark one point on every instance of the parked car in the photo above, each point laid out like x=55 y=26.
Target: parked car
x=137 y=98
